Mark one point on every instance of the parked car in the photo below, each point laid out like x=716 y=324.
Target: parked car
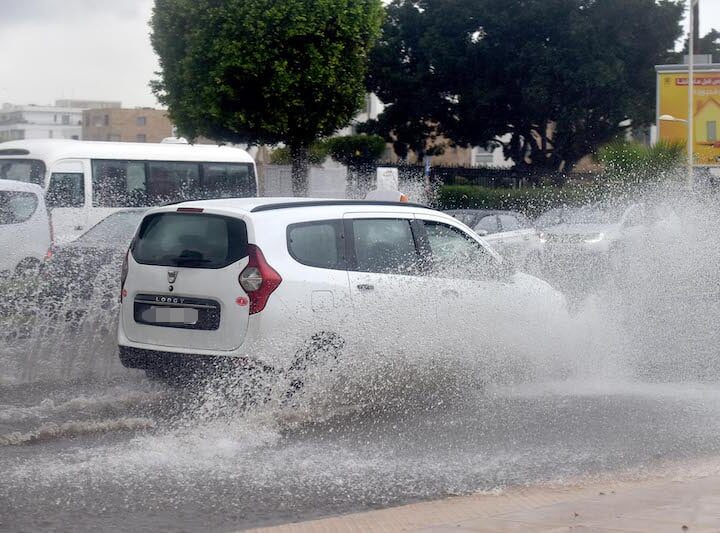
x=25 y=229
x=510 y=233
x=89 y=264
x=599 y=229
x=270 y=282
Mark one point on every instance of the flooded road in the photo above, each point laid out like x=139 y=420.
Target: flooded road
x=131 y=455
x=629 y=385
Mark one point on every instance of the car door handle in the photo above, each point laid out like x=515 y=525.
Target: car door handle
x=450 y=294
x=365 y=287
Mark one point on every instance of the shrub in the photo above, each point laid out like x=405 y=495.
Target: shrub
x=356 y=151
x=531 y=201
x=632 y=162
x=317 y=154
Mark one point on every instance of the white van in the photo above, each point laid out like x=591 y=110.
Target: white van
x=85 y=181
x=25 y=231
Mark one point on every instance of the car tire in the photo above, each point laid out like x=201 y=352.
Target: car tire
x=322 y=348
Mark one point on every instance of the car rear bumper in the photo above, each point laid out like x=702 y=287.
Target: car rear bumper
x=144 y=359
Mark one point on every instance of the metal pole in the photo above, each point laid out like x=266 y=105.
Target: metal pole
x=691 y=90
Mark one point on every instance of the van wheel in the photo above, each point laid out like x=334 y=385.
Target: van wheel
x=322 y=348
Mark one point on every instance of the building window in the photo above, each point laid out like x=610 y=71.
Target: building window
x=66 y=120
x=50 y=134
x=55 y=118
x=712 y=131
x=113 y=137
x=97 y=121
x=106 y=120
x=140 y=137
x=141 y=121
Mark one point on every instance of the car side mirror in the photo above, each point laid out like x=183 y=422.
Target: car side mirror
x=482 y=232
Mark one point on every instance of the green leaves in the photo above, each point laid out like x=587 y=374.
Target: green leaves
x=263 y=71
x=554 y=76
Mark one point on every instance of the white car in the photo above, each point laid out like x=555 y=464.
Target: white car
x=269 y=281
x=598 y=230
x=509 y=232
x=25 y=230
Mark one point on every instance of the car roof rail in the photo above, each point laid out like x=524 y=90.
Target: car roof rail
x=320 y=203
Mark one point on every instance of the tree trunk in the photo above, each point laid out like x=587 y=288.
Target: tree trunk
x=300 y=170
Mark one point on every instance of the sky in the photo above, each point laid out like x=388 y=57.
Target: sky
x=99 y=50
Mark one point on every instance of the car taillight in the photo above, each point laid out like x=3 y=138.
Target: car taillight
x=258 y=279
x=49 y=253
x=123 y=276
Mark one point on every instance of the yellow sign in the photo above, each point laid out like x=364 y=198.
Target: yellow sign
x=673 y=101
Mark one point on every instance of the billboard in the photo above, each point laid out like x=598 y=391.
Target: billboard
x=672 y=99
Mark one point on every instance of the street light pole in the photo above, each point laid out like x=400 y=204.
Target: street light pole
x=691 y=90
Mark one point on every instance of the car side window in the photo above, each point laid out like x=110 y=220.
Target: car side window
x=66 y=189
x=509 y=223
x=17 y=206
x=384 y=245
x=317 y=244
x=457 y=255
x=487 y=223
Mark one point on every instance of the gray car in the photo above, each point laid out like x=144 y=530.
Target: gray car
x=509 y=232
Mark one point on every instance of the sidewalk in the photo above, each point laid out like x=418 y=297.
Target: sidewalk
x=655 y=505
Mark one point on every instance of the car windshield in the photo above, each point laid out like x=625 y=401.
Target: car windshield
x=114 y=231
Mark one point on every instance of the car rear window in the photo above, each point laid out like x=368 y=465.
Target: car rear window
x=190 y=240
x=17 y=206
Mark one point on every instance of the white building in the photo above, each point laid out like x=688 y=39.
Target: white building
x=61 y=121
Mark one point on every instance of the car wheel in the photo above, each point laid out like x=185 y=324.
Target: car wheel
x=322 y=348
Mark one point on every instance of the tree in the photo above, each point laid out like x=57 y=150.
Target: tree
x=358 y=153
x=263 y=71
x=551 y=80
x=708 y=44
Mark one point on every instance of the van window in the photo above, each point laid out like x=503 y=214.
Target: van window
x=172 y=182
x=228 y=180
x=384 y=245
x=17 y=206
x=118 y=183
x=143 y=184
x=27 y=170
x=66 y=189
x=317 y=244
x=190 y=240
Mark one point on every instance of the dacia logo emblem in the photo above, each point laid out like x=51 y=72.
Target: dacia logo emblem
x=172 y=276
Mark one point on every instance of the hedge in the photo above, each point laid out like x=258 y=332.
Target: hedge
x=531 y=201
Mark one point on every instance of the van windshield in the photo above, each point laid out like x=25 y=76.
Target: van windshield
x=17 y=206
x=190 y=240
x=27 y=170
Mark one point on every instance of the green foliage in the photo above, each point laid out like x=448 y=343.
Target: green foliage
x=356 y=151
x=556 y=76
x=634 y=162
x=263 y=71
x=707 y=44
x=531 y=200
x=317 y=153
